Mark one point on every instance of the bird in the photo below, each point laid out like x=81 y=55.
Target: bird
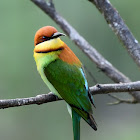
x=64 y=75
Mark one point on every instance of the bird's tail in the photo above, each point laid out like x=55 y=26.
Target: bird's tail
x=88 y=117
x=76 y=124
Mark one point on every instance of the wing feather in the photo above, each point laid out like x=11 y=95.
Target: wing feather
x=70 y=82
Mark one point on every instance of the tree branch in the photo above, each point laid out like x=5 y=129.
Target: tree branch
x=119 y=101
x=90 y=51
x=39 y=99
x=117 y=24
x=112 y=88
x=95 y=90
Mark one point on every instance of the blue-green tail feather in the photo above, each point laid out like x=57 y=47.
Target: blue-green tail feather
x=76 y=125
x=87 y=117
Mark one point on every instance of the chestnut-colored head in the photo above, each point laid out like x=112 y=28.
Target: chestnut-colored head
x=46 y=33
x=48 y=43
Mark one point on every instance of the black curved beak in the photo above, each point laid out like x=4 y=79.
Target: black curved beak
x=57 y=34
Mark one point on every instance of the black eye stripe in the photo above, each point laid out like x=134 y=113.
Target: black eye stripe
x=45 y=38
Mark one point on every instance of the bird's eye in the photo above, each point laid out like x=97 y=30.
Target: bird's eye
x=44 y=37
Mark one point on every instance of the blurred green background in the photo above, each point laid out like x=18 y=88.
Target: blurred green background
x=19 y=77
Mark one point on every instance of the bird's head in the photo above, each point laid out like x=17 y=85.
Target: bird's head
x=48 y=47
x=47 y=40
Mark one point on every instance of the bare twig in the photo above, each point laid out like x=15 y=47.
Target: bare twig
x=95 y=90
x=119 y=100
x=110 y=88
x=91 y=52
x=117 y=24
x=39 y=99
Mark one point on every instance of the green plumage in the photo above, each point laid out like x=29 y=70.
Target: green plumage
x=76 y=125
x=62 y=72
x=70 y=84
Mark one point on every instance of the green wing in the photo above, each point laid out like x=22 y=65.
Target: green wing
x=69 y=81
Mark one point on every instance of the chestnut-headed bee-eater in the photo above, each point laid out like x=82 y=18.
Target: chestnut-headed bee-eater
x=64 y=75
